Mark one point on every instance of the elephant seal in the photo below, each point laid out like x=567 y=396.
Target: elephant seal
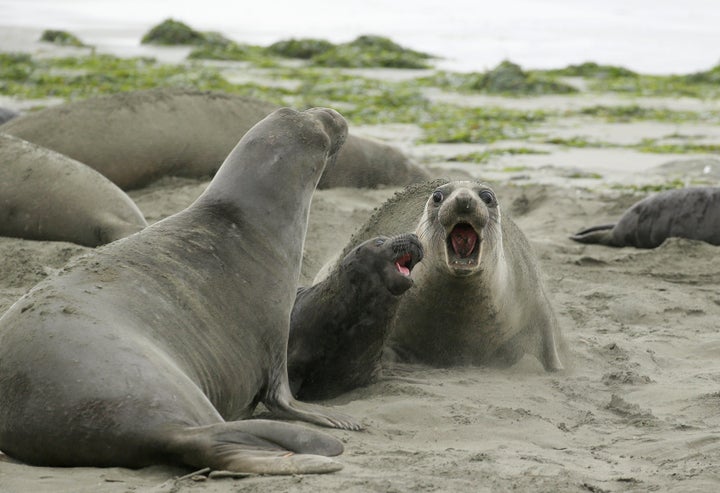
x=478 y=297
x=7 y=114
x=47 y=196
x=692 y=213
x=338 y=327
x=148 y=350
x=161 y=132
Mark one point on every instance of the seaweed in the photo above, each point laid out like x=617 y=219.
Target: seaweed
x=372 y=51
x=172 y=32
x=304 y=48
x=62 y=38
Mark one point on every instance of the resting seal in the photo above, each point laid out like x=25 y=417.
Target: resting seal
x=478 y=296
x=7 y=114
x=338 y=326
x=47 y=196
x=162 y=132
x=692 y=213
x=149 y=349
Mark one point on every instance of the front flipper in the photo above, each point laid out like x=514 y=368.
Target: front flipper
x=283 y=404
x=256 y=446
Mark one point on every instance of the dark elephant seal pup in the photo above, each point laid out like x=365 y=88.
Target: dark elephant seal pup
x=478 y=297
x=692 y=213
x=149 y=350
x=338 y=326
x=47 y=196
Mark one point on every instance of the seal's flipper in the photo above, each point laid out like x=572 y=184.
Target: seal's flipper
x=284 y=405
x=550 y=358
x=256 y=446
x=597 y=234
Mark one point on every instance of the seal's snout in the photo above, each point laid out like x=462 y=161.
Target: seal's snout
x=333 y=124
x=408 y=253
x=464 y=202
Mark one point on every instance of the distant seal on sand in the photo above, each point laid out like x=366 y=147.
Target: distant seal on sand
x=149 y=349
x=136 y=137
x=478 y=297
x=338 y=326
x=47 y=196
x=6 y=115
x=692 y=213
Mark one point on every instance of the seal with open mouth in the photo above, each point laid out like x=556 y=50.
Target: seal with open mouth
x=339 y=325
x=478 y=297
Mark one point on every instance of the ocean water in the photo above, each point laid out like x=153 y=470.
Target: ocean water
x=650 y=36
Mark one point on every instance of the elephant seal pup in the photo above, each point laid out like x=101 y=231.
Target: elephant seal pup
x=47 y=196
x=163 y=132
x=478 y=297
x=148 y=350
x=338 y=327
x=692 y=213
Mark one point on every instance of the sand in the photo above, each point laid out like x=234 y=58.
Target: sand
x=636 y=410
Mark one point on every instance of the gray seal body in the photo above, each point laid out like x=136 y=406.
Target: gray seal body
x=692 y=213
x=150 y=349
x=177 y=132
x=47 y=196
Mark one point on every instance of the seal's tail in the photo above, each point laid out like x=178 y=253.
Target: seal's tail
x=256 y=446
x=597 y=234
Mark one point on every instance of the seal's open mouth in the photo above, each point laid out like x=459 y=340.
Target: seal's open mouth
x=463 y=247
x=407 y=254
x=404 y=264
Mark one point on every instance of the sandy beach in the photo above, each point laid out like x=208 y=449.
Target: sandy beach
x=637 y=407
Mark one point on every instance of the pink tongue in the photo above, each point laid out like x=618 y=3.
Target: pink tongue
x=463 y=238
x=402 y=269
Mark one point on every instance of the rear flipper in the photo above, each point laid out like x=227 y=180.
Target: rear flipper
x=257 y=447
x=597 y=234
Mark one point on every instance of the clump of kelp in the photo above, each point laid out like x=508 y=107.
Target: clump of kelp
x=507 y=78
x=364 y=51
x=302 y=48
x=609 y=78
x=172 y=32
x=372 y=51
x=62 y=38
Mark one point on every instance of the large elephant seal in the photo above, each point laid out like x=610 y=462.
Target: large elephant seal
x=338 y=326
x=136 y=137
x=149 y=349
x=478 y=297
x=47 y=196
x=692 y=213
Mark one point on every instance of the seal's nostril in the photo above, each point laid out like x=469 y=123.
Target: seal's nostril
x=463 y=202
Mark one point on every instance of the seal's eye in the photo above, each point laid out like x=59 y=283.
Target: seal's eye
x=437 y=196
x=487 y=197
x=379 y=242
